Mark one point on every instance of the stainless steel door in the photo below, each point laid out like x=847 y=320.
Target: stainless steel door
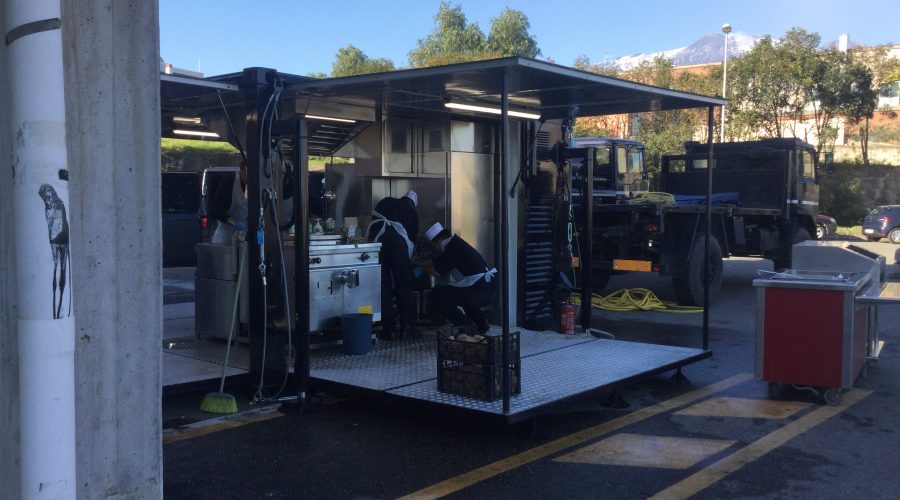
x=472 y=200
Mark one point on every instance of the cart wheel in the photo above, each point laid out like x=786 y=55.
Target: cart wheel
x=774 y=390
x=832 y=396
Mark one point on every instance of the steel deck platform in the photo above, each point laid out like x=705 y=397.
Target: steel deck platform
x=555 y=368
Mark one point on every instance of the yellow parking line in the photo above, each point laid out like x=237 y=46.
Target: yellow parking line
x=476 y=476
x=703 y=479
x=220 y=426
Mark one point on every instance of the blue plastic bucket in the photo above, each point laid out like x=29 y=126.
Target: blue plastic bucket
x=356 y=329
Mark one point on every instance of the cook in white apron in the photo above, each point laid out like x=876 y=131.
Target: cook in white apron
x=237 y=214
x=377 y=217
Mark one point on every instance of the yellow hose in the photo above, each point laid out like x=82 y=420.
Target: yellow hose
x=635 y=299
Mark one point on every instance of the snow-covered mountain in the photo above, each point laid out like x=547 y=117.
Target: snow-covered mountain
x=707 y=49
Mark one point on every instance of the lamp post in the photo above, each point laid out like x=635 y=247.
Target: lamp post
x=726 y=28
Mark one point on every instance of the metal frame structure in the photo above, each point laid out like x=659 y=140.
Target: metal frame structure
x=550 y=90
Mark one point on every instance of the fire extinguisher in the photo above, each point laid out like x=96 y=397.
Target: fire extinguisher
x=567 y=318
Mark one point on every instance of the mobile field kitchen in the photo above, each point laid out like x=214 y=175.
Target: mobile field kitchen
x=487 y=147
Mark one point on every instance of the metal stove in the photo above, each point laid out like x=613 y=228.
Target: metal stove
x=343 y=278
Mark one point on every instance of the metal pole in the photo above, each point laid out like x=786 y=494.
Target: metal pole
x=301 y=261
x=45 y=319
x=504 y=233
x=726 y=28
x=256 y=92
x=709 y=190
x=586 y=236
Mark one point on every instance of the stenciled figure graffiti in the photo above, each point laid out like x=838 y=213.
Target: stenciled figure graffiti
x=58 y=230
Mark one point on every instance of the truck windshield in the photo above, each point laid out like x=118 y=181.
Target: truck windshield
x=601 y=161
x=635 y=159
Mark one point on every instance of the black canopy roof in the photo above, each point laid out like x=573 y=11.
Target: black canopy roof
x=551 y=90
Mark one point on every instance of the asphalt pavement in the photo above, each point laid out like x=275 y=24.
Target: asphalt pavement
x=715 y=435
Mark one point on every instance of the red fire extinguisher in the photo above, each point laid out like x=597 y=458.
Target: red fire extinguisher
x=567 y=318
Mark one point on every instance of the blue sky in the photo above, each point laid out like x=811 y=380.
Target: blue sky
x=302 y=36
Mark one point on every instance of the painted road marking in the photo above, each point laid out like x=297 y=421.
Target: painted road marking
x=636 y=450
x=221 y=424
x=743 y=408
x=480 y=474
x=719 y=470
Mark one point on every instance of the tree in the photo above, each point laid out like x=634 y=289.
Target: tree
x=352 y=61
x=453 y=39
x=665 y=132
x=842 y=88
x=883 y=70
x=770 y=85
x=509 y=35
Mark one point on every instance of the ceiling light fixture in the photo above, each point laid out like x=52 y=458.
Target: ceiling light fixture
x=330 y=119
x=195 y=133
x=493 y=111
x=187 y=120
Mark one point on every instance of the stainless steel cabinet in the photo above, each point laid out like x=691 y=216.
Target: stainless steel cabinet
x=415 y=148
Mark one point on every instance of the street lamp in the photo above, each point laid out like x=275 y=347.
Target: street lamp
x=726 y=28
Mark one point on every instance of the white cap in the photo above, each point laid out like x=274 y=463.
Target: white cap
x=434 y=230
x=412 y=196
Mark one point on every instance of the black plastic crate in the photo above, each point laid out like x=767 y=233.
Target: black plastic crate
x=482 y=382
x=486 y=352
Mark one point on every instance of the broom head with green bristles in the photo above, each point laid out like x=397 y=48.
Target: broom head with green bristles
x=219 y=402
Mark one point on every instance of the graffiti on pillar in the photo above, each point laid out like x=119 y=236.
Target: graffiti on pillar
x=58 y=230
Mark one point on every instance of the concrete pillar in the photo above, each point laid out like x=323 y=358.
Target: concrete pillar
x=112 y=111
x=9 y=355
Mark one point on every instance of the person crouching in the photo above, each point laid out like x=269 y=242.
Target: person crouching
x=468 y=282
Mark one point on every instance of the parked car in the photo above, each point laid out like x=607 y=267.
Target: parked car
x=825 y=226
x=180 y=209
x=883 y=222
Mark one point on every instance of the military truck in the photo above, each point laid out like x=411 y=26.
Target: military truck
x=765 y=199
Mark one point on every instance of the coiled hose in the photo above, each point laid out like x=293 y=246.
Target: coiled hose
x=635 y=299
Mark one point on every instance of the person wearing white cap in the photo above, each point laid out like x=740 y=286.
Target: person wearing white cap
x=395 y=224
x=470 y=284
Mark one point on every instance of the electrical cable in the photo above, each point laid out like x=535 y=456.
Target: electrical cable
x=637 y=299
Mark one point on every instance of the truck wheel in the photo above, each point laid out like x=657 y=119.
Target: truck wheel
x=600 y=280
x=689 y=285
x=800 y=235
x=894 y=236
x=820 y=232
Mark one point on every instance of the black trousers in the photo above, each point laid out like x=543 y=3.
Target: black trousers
x=471 y=299
x=396 y=282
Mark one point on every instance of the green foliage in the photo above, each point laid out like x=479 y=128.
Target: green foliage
x=771 y=84
x=509 y=35
x=584 y=63
x=193 y=155
x=352 y=61
x=841 y=198
x=454 y=39
x=665 y=132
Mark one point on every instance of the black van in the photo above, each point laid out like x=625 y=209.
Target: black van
x=180 y=218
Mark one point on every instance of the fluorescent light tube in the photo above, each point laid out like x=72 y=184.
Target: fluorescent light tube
x=187 y=120
x=330 y=119
x=195 y=133
x=493 y=111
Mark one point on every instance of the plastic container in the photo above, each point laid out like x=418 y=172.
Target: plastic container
x=356 y=329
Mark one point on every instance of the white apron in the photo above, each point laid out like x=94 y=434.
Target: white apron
x=377 y=217
x=238 y=210
x=456 y=279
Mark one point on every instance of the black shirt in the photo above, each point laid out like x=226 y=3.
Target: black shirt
x=462 y=256
x=398 y=210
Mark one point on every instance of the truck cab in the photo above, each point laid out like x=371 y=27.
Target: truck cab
x=619 y=167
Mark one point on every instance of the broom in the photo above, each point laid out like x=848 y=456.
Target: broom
x=222 y=402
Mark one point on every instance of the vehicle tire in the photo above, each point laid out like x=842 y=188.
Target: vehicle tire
x=600 y=280
x=821 y=232
x=800 y=235
x=689 y=285
x=894 y=236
